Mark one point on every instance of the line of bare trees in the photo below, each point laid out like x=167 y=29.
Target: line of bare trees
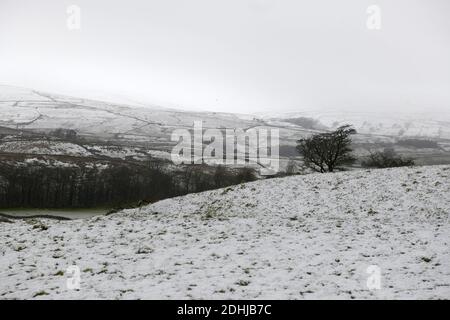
x=117 y=185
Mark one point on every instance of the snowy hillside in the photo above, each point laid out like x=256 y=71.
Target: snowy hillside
x=33 y=110
x=427 y=124
x=28 y=109
x=93 y=124
x=44 y=147
x=300 y=237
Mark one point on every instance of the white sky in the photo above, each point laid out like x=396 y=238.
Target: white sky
x=233 y=55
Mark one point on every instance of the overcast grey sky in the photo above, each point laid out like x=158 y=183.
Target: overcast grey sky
x=233 y=55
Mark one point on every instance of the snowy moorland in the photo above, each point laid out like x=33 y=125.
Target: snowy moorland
x=40 y=112
x=37 y=111
x=300 y=237
x=429 y=124
x=39 y=123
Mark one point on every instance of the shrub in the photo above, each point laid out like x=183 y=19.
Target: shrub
x=387 y=158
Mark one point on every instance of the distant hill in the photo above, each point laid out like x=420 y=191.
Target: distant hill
x=103 y=125
x=396 y=124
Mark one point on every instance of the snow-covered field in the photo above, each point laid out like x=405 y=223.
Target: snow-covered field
x=33 y=110
x=428 y=124
x=44 y=147
x=28 y=109
x=300 y=237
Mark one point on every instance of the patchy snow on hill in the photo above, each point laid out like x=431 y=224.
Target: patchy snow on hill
x=430 y=124
x=300 y=237
x=44 y=147
x=119 y=152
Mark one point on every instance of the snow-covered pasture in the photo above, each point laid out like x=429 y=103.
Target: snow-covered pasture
x=300 y=237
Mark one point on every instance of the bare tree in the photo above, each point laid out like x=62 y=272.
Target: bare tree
x=324 y=152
